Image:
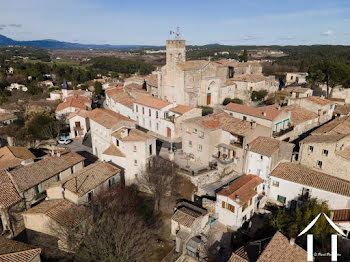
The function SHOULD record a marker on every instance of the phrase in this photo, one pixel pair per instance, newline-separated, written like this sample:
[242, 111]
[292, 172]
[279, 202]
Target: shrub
[259, 95]
[207, 110]
[228, 100]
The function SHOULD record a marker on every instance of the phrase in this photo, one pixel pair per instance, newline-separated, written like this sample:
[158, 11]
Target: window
[231, 208]
[276, 183]
[156, 114]
[135, 162]
[261, 157]
[195, 130]
[244, 118]
[244, 207]
[223, 204]
[311, 149]
[230, 72]
[134, 148]
[111, 181]
[150, 124]
[137, 109]
[150, 149]
[190, 143]
[200, 148]
[37, 189]
[72, 169]
[90, 195]
[281, 199]
[201, 134]
[325, 152]
[143, 110]
[319, 164]
[157, 126]
[117, 142]
[149, 112]
[58, 177]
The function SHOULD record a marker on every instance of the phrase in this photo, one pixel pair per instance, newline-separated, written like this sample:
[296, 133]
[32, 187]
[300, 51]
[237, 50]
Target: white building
[120, 101]
[16, 86]
[236, 203]
[264, 154]
[296, 77]
[72, 104]
[79, 123]
[293, 182]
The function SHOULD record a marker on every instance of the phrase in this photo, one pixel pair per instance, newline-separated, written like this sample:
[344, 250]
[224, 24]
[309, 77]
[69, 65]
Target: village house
[11, 156]
[339, 92]
[342, 218]
[79, 123]
[219, 138]
[264, 154]
[337, 126]
[152, 83]
[295, 78]
[322, 107]
[202, 82]
[120, 101]
[80, 187]
[237, 202]
[327, 153]
[277, 249]
[163, 118]
[188, 221]
[291, 182]
[11, 250]
[302, 121]
[297, 91]
[277, 120]
[342, 110]
[72, 104]
[16, 86]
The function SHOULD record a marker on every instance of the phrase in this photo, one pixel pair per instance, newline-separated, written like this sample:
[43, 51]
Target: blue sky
[236, 22]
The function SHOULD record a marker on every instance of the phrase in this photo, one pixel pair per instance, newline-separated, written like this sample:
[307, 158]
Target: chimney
[252, 124]
[292, 242]
[27, 162]
[263, 113]
[58, 153]
[52, 152]
[237, 197]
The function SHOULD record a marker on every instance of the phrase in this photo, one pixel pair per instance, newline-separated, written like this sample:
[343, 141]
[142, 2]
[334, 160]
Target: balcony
[282, 132]
[223, 159]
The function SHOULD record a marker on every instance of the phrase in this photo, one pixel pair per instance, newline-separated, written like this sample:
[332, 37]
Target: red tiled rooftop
[265, 112]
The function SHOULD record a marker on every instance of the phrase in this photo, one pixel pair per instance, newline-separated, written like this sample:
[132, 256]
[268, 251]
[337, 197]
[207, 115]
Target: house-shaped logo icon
[310, 238]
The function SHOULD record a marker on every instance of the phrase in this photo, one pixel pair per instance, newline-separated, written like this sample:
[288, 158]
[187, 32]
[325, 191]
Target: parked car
[64, 141]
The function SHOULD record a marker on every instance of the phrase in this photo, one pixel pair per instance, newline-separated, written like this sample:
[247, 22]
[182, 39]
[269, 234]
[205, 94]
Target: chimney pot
[292, 242]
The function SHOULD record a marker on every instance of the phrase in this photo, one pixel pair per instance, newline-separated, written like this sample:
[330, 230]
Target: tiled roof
[339, 125]
[133, 135]
[264, 112]
[342, 109]
[78, 102]
[279, 249]
[341, 215]
[345, 153]
[28, 176]
[322, 139]
[228, 62]
[224, 121]
[185, 216]
[319, 100]
[266, 145]
[81, 112]
[88, 178]
[7, 116]
[242, 189]
[296, 89]
[62, 211]
[112, 150]
[236, 258]
[113, 90]
[181, 109]
[303, 175]
[299, 114]
[11, 156]
[153, 102]
[108, 118]
[152, 80]
[193, 64]
[9, 195]
[252, 78]
[122, 97]
[15, 251]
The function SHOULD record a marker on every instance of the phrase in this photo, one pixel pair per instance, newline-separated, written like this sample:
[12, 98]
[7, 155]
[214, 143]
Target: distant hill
[54, 44]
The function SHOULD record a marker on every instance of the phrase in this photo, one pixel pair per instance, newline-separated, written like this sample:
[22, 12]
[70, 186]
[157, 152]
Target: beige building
[11, 156]
[204, 82]
[340, 125]
[296, 91]
[219, 138]
[79, 123]
[327, 153]
[15, 251]
[296, 78]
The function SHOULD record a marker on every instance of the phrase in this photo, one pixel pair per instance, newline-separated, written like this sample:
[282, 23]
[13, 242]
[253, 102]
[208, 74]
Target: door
[208, 99]
[168, 132]
[77, 124]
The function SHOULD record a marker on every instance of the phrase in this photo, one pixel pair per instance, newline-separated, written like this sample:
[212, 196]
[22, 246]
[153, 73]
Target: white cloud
[328, 33]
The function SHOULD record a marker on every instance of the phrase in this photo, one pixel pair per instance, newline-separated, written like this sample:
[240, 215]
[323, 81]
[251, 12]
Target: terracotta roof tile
[113, 90]
[264, 112]
[279, 249]
[108, 118]
[153, 102]
[345, 153]
[322, 138]
[266, 145]
[112, 150]
[236, 258]
[185, 216]
[123, 98]
[251, 78]
[319, 100]
[78, 102]
[133, 135]
[11, 156]
[303, 175]
[28, 176]
[181, 109]
[15, 251]
[339, 125]
[88, 178]
[243, 187]
[341, 215]
[9, 195]
[299, 114]
[342, 109]
[81, 112]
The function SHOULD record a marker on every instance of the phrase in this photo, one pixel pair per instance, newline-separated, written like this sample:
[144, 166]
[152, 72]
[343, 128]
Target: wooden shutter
[223, 204]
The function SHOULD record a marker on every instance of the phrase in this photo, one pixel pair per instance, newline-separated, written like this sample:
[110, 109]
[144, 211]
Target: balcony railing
[225, 161]
[282, 132]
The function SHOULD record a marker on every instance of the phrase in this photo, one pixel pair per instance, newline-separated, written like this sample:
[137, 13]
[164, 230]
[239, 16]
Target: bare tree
[159, 178]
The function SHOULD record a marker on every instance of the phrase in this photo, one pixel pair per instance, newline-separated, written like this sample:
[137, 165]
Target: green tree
[98, 88]
[258, 95]
[330, 74]
[228, 100]
[244, 56]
